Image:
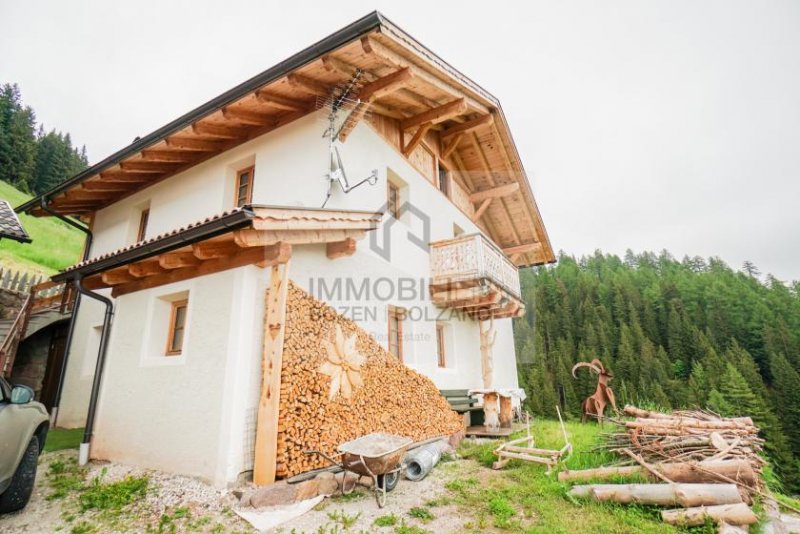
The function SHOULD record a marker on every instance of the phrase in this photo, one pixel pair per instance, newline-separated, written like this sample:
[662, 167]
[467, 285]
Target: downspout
[83, 455]
[73, 318]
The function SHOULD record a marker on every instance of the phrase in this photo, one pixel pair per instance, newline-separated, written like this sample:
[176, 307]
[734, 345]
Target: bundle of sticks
[711, 466]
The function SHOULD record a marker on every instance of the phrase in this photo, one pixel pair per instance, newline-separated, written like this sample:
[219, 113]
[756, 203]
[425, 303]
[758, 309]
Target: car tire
[19, 492]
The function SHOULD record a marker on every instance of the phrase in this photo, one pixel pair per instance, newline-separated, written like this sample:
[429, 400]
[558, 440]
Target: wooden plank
[192, 143]
[246, 117]
[124, 177]
[282, 102]
[385, 85]
[143, 165]
[168, 155]
[82, 194]
[178, 260]
[417, 138]
[481, 210]
[218, 130]
[436, 115]
[339, 249]
[214, 249]
[309, 85]
[266, 447]
[117, 276]
[524, 248]
[111, 187]
[145, 268]
[495, 192]
[468, 126]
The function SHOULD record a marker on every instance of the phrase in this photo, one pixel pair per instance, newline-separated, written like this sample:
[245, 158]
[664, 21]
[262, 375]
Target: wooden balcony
[471, 274]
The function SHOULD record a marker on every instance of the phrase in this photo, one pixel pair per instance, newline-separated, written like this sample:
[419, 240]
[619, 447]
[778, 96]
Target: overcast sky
[642, 124]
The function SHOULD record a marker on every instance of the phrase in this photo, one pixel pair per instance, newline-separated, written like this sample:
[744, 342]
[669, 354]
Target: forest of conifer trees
[674, 334]
[32, 159]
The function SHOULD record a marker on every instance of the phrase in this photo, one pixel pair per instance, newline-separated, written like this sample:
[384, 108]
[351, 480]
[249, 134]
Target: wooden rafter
[145, 268]
[214, 249]
[282, 102]
[246, 117]
[168, 156]
[117, 276]
[177, 260]
[525, 249]
[467, 127]
[122, 176]
[495, 192]
[83, 194]
[193, 143]
[371, 92]
[103, 185]
[309, 85]
[451, 145]
[416, 138]
[218, 130]
[481, 209]
[340, 249]
[142, 165]
[436, 115]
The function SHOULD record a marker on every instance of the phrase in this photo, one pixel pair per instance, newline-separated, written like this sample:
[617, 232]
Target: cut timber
[451, 146]
[246, 117]
[218, 130]
[177, 260]
[385, 85]
[282, 102]
[145, 268]
[168, 156]
[147, 166]
[340, 249]
[717, 471]
[266, 447]
[468, 126]
[734, 514]
[685, 495]
[214, 249]
[117, 276]
[436, 115]
[416, 139]
[309, 85]
[99, 185]
[495, 192]
[193, 143]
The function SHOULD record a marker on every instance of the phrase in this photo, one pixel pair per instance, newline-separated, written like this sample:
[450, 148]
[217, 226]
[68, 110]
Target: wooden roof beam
[371, 46]
[117, 276]
[214, 249]
[524, 249]
[123, 177]
[370, 92]
[482, 209]
[178, 260]
[191, 143]
[417, 138]
[246, 117]
[436, 115]
[466, 127]
[495, 192]
[340, 249]
[218, 130]
[101, 185]
[146, 166]
[145, 268]
[167, 156]
[309, 85]
[451, 146]
[282, 102]
[83, 194]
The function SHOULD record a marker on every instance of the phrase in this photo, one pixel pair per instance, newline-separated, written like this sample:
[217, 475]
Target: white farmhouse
[365, 170]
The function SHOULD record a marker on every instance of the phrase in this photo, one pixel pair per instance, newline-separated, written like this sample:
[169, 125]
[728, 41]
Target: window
[396, 316]
[143, 218]
[393, 199]
[444, 180]
[177, 327]
[440, 345]
[244, 186]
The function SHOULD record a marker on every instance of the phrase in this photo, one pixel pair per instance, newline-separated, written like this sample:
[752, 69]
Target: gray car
[23, 430]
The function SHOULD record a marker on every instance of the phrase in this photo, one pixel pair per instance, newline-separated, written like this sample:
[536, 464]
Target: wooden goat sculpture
[595, 405]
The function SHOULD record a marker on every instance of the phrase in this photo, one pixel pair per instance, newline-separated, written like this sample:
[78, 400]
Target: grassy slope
[539, 503]
[55, 244]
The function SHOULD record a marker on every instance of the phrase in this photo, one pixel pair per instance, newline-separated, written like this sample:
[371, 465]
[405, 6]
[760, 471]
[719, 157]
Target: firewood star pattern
[343, 364]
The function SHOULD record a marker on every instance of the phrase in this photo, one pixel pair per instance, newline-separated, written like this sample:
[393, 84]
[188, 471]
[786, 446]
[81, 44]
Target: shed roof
[10, 225]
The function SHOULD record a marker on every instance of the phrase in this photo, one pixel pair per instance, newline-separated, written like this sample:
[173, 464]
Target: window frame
[173, 315]
[144, 219]
[251, 172]
[441, 346]
[396, 316]
[443, 178]
[393, 207]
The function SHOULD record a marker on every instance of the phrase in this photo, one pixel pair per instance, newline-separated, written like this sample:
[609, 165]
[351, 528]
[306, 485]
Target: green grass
[55, 244]
[522, 498]
[59, 439]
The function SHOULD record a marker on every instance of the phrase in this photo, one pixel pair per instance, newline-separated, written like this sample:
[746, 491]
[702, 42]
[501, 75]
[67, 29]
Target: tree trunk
[661, 494]
[734, 514]
[739, 470]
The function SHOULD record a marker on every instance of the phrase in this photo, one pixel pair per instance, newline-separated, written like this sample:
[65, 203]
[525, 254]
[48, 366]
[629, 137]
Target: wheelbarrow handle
[330, 459]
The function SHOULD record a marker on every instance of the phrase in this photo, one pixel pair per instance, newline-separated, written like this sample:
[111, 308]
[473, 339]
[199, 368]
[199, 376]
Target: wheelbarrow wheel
[389, 481]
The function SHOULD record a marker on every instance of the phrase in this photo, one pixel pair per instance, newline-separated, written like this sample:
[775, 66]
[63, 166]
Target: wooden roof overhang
[251, 235]
[401, 80]
[480, 298]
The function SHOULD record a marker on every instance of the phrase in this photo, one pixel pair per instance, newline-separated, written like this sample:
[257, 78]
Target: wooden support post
[416, 139]
[506, 412]
[272, 358]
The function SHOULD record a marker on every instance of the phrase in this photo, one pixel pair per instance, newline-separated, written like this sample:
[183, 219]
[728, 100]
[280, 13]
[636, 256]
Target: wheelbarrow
[375, 455]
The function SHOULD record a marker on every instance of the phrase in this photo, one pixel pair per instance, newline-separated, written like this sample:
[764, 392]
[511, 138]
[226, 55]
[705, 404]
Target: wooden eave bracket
[495, 192]
[436, 115]
[340, 249]
[371, 92]
[417, 138]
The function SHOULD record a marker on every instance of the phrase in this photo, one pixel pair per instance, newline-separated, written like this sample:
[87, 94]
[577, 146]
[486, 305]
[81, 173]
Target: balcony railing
[472, 258]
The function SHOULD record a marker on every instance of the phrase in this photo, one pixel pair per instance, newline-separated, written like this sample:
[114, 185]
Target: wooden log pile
[393, 398]
[710, 466]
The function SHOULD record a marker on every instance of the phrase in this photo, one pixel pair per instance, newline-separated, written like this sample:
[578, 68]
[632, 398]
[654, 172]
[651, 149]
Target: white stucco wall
[194, 414]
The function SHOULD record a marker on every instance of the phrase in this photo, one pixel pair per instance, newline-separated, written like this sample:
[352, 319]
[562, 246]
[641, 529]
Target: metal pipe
[83, 455]
[87, 245]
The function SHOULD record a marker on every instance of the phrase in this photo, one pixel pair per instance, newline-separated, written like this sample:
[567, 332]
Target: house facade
[194, 227]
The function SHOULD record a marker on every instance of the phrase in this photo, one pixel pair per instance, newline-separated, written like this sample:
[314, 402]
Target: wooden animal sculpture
[595, 405]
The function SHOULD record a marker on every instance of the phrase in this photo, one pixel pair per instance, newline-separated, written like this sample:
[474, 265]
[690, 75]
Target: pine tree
[786, 387]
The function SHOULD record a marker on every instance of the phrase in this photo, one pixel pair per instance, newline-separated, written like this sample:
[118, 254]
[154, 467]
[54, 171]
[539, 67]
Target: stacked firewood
[393, 397]
[710, 466]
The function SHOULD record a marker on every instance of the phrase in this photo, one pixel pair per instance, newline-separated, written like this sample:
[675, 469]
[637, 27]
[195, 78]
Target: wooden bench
[463, 404]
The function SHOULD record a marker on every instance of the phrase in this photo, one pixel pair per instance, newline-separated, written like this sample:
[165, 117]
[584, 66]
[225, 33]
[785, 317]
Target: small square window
[177, 327]
[393, 199]
[244, 186]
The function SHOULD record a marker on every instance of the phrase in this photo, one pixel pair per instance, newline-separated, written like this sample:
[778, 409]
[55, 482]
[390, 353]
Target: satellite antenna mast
[336, 173]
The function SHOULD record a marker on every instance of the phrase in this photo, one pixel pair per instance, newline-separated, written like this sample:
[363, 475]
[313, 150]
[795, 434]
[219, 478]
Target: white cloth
[272, 516]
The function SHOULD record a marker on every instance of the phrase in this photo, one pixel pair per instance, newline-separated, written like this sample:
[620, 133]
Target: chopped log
[734, 514]
[661, 494]
[738, 470]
